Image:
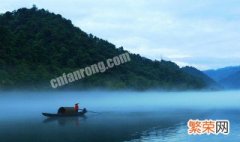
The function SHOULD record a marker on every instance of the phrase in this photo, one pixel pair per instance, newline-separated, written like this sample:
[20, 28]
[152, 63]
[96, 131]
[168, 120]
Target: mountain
[37, 46]
[232, 81]
[220, 74]
[228, 77]
[198, 74]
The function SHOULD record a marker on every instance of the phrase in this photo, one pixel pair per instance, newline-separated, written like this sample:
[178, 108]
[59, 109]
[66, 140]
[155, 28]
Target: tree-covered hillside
[198, 74]
[36, 46]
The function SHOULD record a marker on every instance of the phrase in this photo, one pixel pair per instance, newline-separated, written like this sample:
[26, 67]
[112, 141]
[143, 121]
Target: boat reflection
[62, 121]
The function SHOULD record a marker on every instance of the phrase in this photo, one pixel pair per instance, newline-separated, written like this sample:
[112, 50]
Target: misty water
[122, 116]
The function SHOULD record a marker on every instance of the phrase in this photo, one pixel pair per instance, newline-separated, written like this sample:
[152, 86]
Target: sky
[200, 33]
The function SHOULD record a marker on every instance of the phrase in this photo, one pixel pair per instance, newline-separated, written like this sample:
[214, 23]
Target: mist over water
[122, 116]
[119, 101]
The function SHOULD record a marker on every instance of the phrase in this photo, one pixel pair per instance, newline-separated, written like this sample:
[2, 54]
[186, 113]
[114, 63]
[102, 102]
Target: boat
[66, 112]
[63, 115]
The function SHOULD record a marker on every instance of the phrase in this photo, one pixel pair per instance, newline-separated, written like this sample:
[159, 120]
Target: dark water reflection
[65, 121]
[104, 127]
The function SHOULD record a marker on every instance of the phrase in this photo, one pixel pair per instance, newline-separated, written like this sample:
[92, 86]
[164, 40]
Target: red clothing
[76, 107]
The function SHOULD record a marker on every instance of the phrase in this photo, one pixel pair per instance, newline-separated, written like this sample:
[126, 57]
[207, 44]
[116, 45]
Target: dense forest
[37, 45]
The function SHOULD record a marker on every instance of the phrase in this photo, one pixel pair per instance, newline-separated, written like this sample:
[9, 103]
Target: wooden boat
[66, 112]
[63, 115]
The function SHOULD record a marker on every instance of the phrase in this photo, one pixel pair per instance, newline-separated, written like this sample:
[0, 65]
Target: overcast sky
[200, 33]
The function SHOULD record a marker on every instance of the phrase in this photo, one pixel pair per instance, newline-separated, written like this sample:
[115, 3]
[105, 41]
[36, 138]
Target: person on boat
[84, 110]
[76, 107]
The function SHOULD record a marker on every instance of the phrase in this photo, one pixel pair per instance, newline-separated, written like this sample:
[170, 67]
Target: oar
[90, 111]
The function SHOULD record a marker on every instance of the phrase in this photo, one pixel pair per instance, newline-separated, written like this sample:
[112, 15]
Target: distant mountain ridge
[228, 77]
[36, 46]
[222, 73]
[232, 81]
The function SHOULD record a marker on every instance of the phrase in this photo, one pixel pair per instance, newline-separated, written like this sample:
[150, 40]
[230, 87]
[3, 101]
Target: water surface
[122, 116]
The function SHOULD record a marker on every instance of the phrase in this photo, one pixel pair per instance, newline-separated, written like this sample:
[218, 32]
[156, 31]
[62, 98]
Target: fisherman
[84, 110]
[76, 107]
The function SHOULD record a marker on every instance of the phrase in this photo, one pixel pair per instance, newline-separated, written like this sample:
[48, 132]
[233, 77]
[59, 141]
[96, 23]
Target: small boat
[66, 112]
[63, 115]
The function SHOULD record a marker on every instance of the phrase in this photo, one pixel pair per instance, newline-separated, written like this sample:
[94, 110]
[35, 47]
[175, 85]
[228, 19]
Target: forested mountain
[198, 74]
[36, 46]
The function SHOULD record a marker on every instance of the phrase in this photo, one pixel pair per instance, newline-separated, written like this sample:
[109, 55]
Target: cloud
[201, 33]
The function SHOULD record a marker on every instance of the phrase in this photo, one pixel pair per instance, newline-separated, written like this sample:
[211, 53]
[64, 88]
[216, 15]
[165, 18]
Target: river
[124, 116]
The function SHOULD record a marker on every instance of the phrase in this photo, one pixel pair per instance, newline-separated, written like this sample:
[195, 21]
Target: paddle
[90, 111]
